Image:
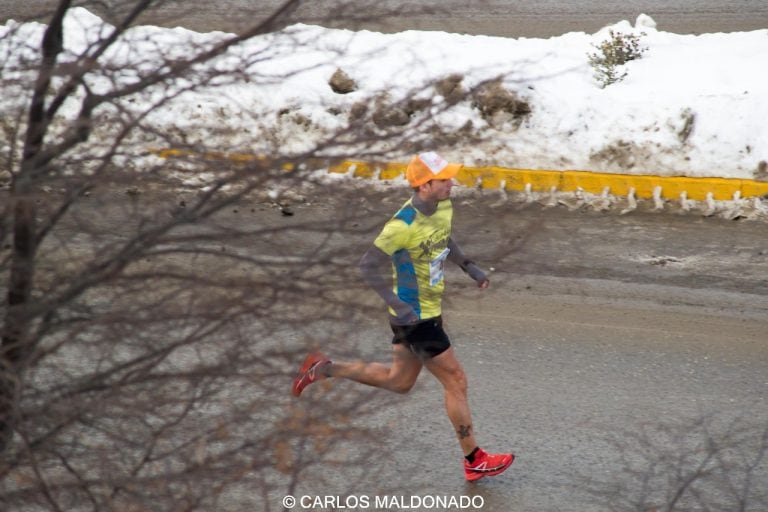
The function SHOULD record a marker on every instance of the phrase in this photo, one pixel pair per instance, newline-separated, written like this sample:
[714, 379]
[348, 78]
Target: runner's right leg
[447, 369]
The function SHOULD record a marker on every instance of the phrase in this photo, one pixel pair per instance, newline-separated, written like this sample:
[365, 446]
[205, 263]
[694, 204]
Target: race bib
[437, 268]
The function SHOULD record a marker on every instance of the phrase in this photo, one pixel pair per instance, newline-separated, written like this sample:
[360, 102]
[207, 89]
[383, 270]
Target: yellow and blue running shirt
[418, 246]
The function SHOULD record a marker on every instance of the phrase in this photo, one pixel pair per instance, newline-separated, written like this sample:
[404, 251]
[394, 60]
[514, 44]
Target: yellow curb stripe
[643, 185]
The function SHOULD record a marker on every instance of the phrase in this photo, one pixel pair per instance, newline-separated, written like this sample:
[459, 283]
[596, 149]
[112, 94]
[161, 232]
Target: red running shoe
[487, 464]
[308, 372]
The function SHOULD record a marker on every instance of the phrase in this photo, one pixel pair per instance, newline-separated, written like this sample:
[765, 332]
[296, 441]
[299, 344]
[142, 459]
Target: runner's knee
[456, 381]
[402, 386]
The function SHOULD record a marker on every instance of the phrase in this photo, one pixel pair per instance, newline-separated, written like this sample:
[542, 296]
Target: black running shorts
[426, 339]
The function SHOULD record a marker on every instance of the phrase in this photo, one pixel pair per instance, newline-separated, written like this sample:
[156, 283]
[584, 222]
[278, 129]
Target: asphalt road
[609, 353]
[617, 356]
[585, 393]
[542, 18]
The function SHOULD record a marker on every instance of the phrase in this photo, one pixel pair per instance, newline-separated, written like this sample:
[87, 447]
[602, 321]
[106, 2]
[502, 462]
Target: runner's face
[440, 190]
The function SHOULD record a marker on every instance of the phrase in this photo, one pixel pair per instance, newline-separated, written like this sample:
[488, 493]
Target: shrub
[616, 51]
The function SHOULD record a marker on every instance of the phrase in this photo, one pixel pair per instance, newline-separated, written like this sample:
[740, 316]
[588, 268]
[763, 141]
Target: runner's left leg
[399, 377]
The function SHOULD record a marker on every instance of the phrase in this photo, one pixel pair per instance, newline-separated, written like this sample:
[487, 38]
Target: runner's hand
[478, 275]
[405, 314]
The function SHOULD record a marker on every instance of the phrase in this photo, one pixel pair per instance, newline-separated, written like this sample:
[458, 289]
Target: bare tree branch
[149, 330]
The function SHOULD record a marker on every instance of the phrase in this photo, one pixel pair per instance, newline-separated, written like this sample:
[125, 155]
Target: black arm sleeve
[374, 265]
[458, 257]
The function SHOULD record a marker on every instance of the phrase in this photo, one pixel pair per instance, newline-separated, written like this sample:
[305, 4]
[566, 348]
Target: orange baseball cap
[430, 166]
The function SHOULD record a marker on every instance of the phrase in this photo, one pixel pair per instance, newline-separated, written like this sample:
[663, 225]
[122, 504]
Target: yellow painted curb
[643, 186]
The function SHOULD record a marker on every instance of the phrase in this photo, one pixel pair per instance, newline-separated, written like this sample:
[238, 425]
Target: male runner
[414, 245]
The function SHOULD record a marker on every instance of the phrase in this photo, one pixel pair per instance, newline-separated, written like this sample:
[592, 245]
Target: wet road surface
[607, 352]
[610, 351]
[570, 387]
